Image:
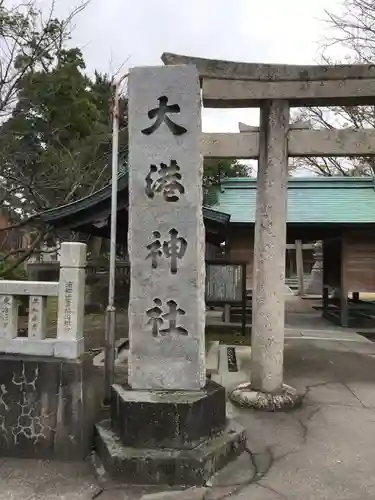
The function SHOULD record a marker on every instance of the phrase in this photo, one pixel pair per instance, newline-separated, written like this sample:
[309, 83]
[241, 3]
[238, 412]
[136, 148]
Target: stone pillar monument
[166, 231]
[168, 425]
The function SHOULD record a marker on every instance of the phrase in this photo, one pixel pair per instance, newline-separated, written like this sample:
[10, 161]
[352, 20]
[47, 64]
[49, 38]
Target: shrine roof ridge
[319, 200]
[304, 182]
[231, 70]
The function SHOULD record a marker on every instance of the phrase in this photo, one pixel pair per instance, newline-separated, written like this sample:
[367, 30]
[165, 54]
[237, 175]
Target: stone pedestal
[48, 407]
[168, 437]
[177, 419]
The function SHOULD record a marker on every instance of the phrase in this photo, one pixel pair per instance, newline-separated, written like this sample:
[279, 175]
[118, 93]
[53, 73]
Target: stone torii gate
[275, 89]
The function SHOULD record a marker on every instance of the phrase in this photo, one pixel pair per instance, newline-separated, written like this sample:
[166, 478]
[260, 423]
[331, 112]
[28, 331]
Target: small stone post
[269, 249]
[315, 285]
[37, 317]
[8, 317]
[71, 300]
[299, 262]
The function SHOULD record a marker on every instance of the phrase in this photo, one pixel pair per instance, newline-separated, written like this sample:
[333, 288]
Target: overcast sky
[111, 32]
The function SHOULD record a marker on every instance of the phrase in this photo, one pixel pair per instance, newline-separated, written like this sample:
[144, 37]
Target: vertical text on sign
[8, 316]
[37, 317]
[169, 181]
[157, 318]
[161, 115]
[174, 248]
[68, 293]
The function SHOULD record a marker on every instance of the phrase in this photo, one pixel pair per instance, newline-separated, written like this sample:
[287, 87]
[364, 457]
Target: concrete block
[212, 357]
[121, 345]
[43, 288]
[69, 349]
[73, 254]
[188, 494]
[25, 346]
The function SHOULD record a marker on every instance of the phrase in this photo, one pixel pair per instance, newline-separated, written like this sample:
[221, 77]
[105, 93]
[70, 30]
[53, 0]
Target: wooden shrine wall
[332, 262]
[359, 260]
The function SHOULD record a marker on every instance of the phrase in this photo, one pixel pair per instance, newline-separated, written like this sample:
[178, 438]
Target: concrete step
[165, 466]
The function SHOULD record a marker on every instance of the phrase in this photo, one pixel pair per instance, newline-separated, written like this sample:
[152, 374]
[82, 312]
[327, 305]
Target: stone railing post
[37, 317]
[71, 300]
[8, 317]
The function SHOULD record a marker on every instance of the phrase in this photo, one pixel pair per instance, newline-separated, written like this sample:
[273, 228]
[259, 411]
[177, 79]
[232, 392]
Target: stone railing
[70, 291]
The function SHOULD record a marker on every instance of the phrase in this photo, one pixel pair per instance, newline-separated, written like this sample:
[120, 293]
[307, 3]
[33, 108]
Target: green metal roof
[57, 215]
[324, 200]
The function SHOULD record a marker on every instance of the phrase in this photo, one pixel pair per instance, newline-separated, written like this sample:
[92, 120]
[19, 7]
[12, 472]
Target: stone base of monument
[168, 437]
[246, 397]
[48, 407]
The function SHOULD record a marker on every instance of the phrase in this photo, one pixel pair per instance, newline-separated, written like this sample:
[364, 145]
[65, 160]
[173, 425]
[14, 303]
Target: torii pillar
[269, 249]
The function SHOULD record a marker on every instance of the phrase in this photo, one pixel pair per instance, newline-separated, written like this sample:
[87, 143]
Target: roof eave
[60, 216]
[54, 215]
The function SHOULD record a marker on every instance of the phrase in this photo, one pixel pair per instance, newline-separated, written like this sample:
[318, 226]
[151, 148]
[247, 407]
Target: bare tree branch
[25, 254]
[352, 27]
